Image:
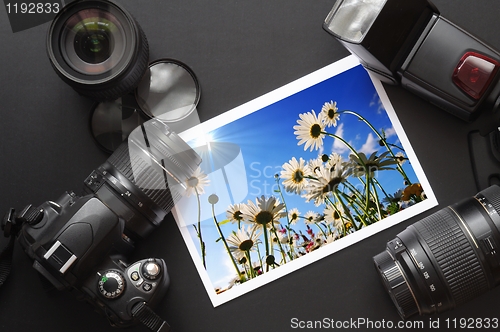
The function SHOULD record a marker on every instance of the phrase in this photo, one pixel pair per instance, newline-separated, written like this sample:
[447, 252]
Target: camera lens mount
[445, 259]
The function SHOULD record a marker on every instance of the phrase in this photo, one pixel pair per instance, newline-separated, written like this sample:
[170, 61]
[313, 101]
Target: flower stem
[382, 139]
[225, 244]
[288, 227]
[249, 259]
[198, 232]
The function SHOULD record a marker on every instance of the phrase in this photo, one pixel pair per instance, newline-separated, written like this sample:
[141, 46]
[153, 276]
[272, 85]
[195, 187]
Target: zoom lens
[144, 178]
[98, 48]
[445, 259]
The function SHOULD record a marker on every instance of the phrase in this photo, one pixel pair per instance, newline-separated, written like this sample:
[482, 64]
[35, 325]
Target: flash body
[411, 44]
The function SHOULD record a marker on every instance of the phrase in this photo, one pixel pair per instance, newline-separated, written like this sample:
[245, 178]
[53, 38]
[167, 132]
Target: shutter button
[151, 270]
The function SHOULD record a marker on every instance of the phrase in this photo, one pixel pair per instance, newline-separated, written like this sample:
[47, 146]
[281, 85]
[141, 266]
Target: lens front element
[98, 48]
[93, 42]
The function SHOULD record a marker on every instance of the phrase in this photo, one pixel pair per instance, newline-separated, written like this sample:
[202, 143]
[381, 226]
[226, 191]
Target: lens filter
[170, 91]
[112, 122]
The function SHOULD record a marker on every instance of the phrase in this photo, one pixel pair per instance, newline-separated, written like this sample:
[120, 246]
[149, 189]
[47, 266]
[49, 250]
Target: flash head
[379, 32]
[410, 43]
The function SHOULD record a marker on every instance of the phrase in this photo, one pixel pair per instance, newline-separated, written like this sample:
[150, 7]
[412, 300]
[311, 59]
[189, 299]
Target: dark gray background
[239, 50]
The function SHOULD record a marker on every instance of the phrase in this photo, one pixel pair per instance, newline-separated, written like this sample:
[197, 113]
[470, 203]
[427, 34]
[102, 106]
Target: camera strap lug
[30, 215]
[10, 228]
[149, 318]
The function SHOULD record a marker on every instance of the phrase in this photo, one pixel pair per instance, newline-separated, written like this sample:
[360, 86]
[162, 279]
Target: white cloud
[338, 146]
[378, 103]
[371, 145]
[225, 270]
[390, 132]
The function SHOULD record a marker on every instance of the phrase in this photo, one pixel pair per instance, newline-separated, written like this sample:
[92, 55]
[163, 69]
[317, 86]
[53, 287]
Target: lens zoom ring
[151, 183]
[454, 255]
[492, 194]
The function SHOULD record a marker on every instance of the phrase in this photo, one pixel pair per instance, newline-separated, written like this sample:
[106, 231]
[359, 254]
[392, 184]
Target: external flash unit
[409, 43]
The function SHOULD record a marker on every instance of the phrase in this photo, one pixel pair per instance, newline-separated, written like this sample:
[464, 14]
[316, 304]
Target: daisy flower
[334, 160]
[400, 158]
[294, 174]
[328, 180]
[243, 241]
[363, 165]
[330, 238]
[309, 130]
[196, 183]
[234, 214]
[264, 212]
[314, 165]
[310, 217]
[334, 215]
[282, 238]
[330, 114]
[293, 215]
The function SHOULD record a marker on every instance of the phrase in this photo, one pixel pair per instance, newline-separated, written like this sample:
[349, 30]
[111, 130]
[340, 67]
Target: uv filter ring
[169, 91]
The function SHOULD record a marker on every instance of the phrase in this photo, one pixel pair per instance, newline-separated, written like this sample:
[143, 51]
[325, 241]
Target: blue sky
[245, 154]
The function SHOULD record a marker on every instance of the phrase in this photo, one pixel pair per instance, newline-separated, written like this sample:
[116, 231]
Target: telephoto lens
[98, 48]
[445, 259]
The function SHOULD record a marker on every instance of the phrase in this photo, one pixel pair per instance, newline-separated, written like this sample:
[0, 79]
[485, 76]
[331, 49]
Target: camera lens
[145, 176]
[445, 259]
[94, 44]
[98, 48]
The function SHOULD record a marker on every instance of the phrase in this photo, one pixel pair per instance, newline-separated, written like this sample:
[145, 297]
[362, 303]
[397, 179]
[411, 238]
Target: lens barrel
[144, 178]
[98, 48]
[445, 259]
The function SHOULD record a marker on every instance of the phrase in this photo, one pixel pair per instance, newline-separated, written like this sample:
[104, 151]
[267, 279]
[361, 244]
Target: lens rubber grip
[446, 237]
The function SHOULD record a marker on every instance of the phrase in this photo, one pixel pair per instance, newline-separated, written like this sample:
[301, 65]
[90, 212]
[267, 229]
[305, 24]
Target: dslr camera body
[82, 242]
[79, 243]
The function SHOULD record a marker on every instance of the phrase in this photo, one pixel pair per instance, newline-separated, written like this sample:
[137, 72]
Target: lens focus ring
[454, 255]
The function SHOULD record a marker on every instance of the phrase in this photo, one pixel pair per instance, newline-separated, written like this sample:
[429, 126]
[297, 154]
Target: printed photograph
[294, 176]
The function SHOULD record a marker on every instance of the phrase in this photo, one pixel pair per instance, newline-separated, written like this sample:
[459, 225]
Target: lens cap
[169, 91]
[112, 122]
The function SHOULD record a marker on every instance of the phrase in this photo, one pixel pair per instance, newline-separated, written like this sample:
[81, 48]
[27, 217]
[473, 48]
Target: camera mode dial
[151, 269]
[111, 284]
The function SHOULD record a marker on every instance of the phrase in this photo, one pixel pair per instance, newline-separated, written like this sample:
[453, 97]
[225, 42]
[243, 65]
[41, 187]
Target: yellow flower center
[331, 113]
[332, 185]
[298, 176]
[315, 130]
[246, 245]
[263, 217]
[193, 182]
[237, 215]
